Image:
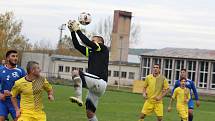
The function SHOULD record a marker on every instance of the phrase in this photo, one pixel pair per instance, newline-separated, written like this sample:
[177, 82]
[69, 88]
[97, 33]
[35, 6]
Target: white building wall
[122, 81]
[50, 68]
[64, 74]
[43, 60]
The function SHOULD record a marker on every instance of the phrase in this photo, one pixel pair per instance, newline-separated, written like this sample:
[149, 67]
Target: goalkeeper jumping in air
[96, 80]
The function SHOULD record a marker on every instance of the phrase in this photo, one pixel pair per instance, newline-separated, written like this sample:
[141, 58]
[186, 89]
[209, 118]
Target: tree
[105, 26]
[64, 45]
[10, 34]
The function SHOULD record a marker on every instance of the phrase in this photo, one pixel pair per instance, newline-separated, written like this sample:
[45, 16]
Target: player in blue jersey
[8, 75]
[2, 64]
[190, 85]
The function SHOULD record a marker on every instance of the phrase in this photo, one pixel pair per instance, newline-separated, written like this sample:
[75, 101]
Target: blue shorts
[6, 107]
[190, 104]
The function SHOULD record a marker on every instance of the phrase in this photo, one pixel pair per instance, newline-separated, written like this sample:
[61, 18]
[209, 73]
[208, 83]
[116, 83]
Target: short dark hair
[184, 69]
[100, 38]
[10, 52]
[156, 64]
[30, 65]
[183, 79]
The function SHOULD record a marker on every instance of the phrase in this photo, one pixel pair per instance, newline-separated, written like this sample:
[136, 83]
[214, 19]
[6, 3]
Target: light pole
[120, 60]
[61, 28]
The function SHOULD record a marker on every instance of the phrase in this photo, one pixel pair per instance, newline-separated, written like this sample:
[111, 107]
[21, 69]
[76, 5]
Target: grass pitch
[114, 106]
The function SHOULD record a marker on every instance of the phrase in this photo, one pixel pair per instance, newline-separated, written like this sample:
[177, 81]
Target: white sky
[165, 23]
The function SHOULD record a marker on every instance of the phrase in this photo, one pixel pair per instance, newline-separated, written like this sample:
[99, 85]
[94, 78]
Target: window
[191, 69]
[131, 75]
[67, 69]
[203, 74]
[73, 68]
[60, 68]
[109, 72]
[156, 61]
[86, 69]
[168, 69]
[179, 64]
[213, 76]
[81, 69]
[124, 74]
[116, 74]
[145, 67]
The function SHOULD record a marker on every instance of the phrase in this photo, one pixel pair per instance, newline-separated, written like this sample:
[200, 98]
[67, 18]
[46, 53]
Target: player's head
[3, 62]
[33, 68]
[183, 73]
[156, 69]
[182, 82]
[98, 39]
[12, 57]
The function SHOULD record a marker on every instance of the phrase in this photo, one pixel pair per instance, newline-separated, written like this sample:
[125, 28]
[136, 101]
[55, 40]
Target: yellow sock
[141, 119]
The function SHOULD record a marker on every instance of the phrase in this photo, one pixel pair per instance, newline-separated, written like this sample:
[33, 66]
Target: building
[200, 64]
[61, 66]
[120, 36]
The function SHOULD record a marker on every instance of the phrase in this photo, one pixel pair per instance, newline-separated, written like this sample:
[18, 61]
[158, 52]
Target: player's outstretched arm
[86, 41]
[170, 105]
[76, 44]
[195, 94]
[48, 88]
[144, 93]
[15, 105]
[14, 92]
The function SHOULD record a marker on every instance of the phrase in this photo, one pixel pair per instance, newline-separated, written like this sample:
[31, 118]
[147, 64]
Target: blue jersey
[1, 66]
[190, 85]
[9, 76]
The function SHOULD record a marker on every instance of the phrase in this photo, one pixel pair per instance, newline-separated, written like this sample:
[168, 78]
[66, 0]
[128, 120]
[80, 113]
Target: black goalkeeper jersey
[98, 55]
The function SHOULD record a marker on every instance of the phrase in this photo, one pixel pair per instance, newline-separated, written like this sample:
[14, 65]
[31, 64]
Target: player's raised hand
[51, 97]
[158, 98]
[2, 97]
[197, 103]
[70, 24]
[7, 93]
[18, 113]
[73, 25]
[145, 95]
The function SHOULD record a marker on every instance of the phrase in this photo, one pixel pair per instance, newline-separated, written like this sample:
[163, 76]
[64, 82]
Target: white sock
[94, 118]
[78, 87]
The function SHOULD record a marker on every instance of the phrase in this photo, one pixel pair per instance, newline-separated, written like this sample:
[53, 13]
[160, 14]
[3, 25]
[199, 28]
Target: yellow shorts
[32, 116]
[183, 113]
[149, 107]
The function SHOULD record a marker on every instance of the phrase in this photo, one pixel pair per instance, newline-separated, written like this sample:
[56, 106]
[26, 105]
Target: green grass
[114, 106]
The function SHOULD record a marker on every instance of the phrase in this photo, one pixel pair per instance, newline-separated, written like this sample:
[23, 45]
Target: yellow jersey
[154, 87]
[181, 95]
[31, 93]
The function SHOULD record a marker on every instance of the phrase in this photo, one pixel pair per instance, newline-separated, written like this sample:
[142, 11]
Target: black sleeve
[76, 44]
[87, 42]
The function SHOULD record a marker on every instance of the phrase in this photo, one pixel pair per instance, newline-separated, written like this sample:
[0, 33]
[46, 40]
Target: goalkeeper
[96, 80]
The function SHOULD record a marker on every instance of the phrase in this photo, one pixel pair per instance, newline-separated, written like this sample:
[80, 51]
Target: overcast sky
[165, 23]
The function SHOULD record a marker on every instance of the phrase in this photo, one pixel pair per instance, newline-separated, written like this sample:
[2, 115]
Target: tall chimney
[120, 36]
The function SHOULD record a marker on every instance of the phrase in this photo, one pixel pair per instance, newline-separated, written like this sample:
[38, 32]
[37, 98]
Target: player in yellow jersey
[182, 96]
[155, 88]
[30, 89]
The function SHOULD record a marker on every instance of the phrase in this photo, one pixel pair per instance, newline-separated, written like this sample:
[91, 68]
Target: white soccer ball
[84, 18]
